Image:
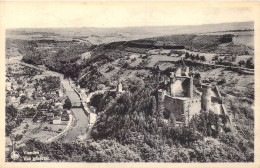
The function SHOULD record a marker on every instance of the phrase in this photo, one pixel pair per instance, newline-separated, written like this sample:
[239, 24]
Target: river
[81, 119]
[81, 125]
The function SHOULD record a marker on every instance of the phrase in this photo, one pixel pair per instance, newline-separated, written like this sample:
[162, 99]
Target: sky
[64, 14]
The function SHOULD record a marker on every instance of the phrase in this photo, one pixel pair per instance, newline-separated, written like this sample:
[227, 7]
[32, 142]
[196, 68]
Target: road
[69, 125]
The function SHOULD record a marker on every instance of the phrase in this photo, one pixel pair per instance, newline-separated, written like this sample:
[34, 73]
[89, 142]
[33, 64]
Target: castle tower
[184, 69]
[190, 88]
[178, 72]
[206, 98]
[119, 88]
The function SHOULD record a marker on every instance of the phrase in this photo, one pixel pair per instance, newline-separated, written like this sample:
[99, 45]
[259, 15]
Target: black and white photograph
[117, 82]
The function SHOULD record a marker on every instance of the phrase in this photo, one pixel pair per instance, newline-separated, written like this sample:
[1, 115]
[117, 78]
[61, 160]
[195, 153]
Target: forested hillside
[132, 128]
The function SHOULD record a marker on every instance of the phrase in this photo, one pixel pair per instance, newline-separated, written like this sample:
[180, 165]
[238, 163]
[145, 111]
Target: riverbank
[64, 132]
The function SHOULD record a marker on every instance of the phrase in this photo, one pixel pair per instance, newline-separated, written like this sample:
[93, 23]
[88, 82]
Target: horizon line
[128, 26]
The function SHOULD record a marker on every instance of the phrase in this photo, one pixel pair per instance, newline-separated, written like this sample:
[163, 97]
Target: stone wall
[176, 106]
[195, 107]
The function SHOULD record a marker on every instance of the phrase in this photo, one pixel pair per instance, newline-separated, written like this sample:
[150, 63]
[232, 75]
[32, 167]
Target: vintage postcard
[135, 84]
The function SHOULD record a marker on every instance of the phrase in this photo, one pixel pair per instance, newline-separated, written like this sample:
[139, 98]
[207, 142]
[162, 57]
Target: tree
[226, 38]
[11, 110]
[192, 57]
[202, 126]
[222, 81]
[250, 63]
[241, 63]
[126, 65]
[11, 119]
[187, 55]
[19, 81]
[215, 58]
[153, 105]
[35, 118]
[202, 58]
[197, 57]
[26, 126]
[172, 120]
[23, 99]
[67, 104]
[197, 75]
[234, 58]
[18, 137]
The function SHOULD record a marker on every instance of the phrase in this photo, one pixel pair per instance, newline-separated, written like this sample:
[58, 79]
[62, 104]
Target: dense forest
[60, 56]
[12, 119]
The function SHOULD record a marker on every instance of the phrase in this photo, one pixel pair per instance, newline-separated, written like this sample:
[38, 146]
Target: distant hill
[106, 35]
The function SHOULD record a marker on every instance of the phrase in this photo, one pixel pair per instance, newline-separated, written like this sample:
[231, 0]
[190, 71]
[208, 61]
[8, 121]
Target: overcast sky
[41, 15]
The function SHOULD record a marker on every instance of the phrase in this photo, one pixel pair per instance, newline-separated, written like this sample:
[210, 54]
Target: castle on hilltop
[184, 96]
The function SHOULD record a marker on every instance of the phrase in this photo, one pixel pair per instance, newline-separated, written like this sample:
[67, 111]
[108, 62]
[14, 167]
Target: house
[49, 116]
[43, 108]
[65, 116]
[53, 92]
[21, 93]
[56, 120]
[29, 113]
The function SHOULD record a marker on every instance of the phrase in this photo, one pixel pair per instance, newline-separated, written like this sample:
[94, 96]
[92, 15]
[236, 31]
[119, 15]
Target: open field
[39, 131]
[156, 58]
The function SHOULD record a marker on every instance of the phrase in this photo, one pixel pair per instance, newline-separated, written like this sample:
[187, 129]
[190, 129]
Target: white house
[56, 120]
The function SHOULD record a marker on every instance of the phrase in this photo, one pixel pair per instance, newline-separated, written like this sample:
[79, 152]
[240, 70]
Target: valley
[119, 88]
